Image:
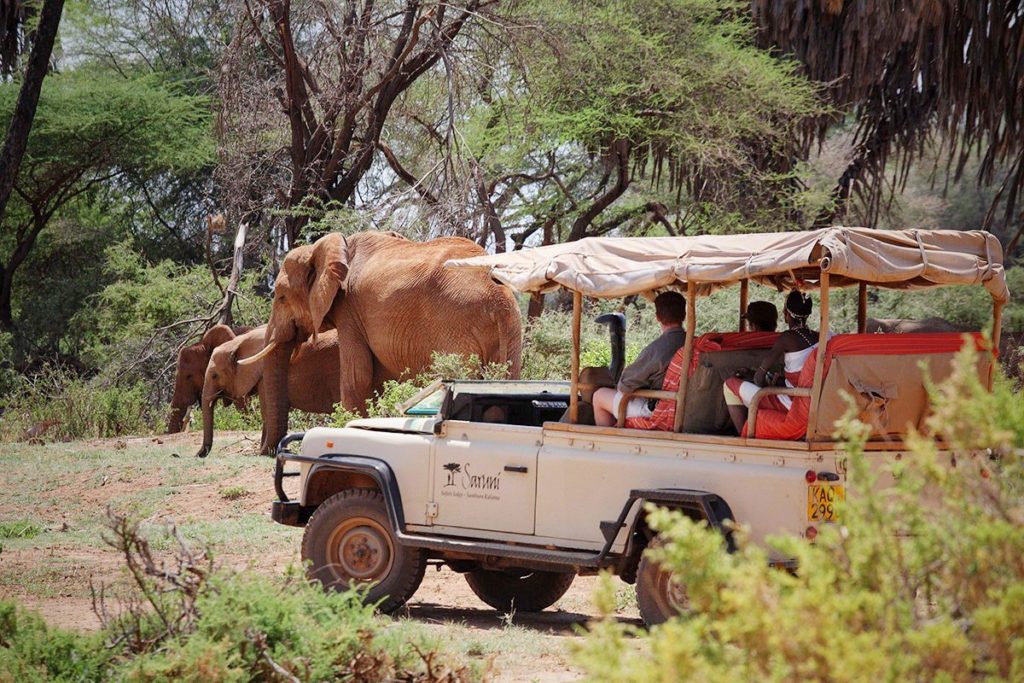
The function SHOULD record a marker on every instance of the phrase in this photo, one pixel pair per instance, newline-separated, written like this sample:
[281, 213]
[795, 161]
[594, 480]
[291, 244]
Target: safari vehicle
[483, 477]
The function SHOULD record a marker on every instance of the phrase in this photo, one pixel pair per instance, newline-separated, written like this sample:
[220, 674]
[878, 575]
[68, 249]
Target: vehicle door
[484, 476]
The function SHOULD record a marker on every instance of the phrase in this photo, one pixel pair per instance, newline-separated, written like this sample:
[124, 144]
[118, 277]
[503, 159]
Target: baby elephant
[190, 370]
[312, 380]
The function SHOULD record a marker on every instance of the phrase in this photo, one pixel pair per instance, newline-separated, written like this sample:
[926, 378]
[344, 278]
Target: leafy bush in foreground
[185, 620]
[924, 579]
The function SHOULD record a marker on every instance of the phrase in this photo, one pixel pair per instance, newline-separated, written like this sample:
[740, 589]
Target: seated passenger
[792, 347]
[762, 316]
[648, 370]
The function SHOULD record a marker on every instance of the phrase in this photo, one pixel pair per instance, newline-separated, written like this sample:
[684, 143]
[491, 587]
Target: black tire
[523, 591]
[658, 596]
[348, 540]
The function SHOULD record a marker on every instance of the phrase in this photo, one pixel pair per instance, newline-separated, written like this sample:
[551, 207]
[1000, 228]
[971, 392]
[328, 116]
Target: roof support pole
[744, 294]
[997, 328]
[862, 308]
[819, 363]
[577, 318]
[684, 372]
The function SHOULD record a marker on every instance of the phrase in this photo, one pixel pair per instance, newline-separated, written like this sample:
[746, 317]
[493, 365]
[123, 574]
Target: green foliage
[234, 492]
[19, 528]
[143, 297]
[1013, 315]
[100, 119]
[232, 419]
[922, 580]
[31, 651]
[547, 346]
[680, 80]
[243, 623]
[9, 378]
[56, 404]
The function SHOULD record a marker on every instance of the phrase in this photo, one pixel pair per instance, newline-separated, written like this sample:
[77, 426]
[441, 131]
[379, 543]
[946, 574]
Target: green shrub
[10, 380]
[184, 619]
[921, 581]
[56, 404]
[19, 528]
[234, 492]
[32, 651]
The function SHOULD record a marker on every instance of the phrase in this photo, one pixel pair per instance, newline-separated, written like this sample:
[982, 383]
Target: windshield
[426, 401]
[429, 400]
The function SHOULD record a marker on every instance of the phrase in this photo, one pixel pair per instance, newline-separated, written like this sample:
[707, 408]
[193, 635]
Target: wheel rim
[671, 594]
[360, 549]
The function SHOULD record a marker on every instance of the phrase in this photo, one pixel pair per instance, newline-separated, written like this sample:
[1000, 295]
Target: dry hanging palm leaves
[908, 69]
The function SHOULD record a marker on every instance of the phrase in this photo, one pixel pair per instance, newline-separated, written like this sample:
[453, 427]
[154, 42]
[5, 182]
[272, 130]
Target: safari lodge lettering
[460, 475]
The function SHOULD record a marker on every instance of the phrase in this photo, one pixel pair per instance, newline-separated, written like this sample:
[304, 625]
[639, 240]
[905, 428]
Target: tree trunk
[16, 139]
[620, 151]
[6, 315]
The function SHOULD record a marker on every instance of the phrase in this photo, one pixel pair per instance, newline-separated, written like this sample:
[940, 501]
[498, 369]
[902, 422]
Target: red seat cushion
[730, 341]
[792, 424]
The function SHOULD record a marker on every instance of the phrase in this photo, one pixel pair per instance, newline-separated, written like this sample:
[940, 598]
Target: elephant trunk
[210, 394]
[274, 402]
[176, 420]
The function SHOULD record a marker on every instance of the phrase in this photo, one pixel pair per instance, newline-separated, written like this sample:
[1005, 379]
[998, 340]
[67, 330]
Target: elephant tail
[510, 341]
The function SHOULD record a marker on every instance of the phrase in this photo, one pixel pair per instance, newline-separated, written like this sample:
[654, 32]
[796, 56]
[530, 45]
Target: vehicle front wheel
[659, 595]
[524, 590]
[348, 541]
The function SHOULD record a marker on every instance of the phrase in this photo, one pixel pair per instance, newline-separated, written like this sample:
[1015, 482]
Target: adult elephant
[312, 380]
[393, 303]
[190, 370]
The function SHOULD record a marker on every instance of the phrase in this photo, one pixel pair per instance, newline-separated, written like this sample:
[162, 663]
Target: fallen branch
[224, 312]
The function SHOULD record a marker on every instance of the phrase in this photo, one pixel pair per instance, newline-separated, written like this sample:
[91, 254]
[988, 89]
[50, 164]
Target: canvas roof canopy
[612, 267]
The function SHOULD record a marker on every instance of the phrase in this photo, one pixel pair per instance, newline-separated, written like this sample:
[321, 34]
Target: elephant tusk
[259, 356]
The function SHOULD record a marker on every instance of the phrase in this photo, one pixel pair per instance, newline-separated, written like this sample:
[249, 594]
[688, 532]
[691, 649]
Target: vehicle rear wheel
[348, 541]
[524, 591]
[659, 596]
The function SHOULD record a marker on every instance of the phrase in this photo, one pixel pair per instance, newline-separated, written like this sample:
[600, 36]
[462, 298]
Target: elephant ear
[327, 275]
[217, 335]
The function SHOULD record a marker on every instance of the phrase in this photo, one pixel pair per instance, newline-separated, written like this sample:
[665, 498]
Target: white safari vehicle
[483, 477]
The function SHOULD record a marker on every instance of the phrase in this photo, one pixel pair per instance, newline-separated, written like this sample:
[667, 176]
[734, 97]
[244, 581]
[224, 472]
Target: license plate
[821, 500]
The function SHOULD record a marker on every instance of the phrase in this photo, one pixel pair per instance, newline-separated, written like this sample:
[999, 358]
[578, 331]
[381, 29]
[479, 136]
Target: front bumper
[283, 510]
[288, 513]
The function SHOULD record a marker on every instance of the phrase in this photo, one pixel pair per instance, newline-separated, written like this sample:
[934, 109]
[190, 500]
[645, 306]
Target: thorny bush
[922, 580]
[184, 619]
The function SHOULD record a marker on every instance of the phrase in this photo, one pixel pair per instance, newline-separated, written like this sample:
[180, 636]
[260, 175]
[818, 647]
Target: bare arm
[779, 349]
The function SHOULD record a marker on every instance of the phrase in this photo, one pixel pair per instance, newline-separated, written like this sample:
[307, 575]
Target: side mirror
[616, 323]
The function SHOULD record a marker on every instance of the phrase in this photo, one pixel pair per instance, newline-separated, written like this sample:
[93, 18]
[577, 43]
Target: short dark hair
[763, 315]
[670, 307]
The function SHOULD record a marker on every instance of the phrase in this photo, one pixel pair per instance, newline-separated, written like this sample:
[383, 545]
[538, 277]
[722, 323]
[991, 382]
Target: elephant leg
[356, 372]
[274, 397]
[269, 436]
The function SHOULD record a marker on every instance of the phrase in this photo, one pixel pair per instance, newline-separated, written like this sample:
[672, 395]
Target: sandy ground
[53, 572]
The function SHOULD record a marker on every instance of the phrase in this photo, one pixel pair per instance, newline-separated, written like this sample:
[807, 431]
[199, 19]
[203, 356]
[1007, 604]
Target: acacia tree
[20, 123]
[307, 88]
[907, 70]
[607, 114]
[94, 128]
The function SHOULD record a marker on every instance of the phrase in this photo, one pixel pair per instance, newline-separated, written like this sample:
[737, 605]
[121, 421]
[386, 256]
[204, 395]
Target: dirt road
[52, 549]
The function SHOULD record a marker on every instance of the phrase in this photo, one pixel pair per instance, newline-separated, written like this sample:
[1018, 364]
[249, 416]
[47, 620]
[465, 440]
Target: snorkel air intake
[616, 323]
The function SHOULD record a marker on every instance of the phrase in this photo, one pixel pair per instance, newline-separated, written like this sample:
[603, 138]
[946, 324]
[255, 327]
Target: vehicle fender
[697, 505]
[361, 470]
